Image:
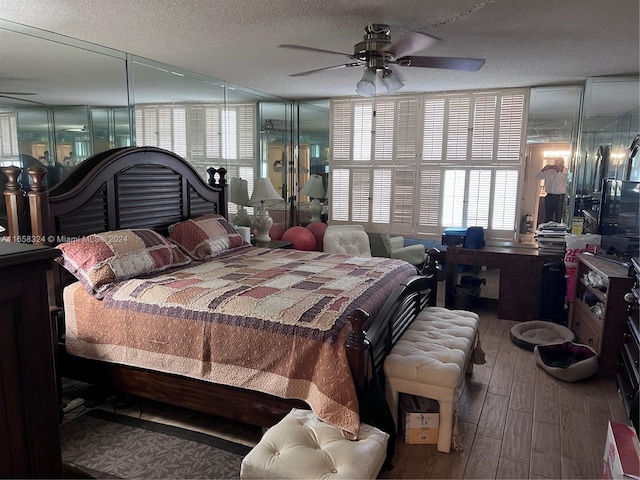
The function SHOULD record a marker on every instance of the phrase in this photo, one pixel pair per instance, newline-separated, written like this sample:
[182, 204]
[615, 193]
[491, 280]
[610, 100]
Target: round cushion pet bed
[567, 361]
[536, 332]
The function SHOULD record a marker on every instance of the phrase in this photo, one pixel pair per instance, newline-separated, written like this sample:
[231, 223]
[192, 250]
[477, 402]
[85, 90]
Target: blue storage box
[454, 236]
[474, 237]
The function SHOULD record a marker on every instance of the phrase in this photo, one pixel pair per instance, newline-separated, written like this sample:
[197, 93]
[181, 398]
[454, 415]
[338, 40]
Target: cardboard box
[421, 436]
[621, 453]
[420, 419]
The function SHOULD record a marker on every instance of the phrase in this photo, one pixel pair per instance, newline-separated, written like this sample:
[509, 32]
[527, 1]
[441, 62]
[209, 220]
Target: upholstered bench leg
[446, 426]
[392, 397]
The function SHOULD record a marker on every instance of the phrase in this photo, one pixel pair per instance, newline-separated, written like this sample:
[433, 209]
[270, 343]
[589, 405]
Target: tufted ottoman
[301, 446]
[429, 360]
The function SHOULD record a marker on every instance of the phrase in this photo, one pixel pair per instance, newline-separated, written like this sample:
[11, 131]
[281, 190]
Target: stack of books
[551, 238]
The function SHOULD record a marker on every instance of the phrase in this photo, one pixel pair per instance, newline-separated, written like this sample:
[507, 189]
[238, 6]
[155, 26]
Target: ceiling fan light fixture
[367, 86]
[391, 81]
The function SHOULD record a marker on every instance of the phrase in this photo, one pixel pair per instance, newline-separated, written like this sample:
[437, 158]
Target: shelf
[600, 295]
[580, 305]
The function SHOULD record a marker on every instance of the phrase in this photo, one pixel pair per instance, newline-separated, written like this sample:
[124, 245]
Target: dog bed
[567, 361]
[536, 332]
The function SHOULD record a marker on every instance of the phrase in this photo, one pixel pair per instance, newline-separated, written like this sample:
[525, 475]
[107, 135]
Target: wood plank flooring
[518, 421]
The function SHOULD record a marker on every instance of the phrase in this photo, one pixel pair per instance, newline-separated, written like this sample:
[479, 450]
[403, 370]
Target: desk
[520, 277]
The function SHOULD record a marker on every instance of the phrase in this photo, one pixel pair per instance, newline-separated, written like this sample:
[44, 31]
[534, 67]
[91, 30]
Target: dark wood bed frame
[147, 187]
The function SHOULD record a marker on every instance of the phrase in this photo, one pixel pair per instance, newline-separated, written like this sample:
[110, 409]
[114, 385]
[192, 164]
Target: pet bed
[537, 332]
[567, 361]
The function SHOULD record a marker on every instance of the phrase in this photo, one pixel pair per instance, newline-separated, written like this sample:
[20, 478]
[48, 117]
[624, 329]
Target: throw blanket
[273, 321]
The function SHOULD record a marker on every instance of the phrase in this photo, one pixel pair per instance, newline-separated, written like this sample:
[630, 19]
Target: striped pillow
[102, 259]
[205, 237]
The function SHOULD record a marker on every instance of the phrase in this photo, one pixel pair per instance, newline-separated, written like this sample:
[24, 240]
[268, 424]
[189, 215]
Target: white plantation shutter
[458, 128]
[429, 198]
[246, 131]
[453, 194]
[362, 135]
[139, 118]
[381, 201]
[433, 132]
[230, 134]
[484, 123]
[384, 127]
[511, 129]
[407, 130]
[404, 186]
[8, 136]
[360, 194]
[505, 199]
[179, 132]
[212, 132]
[340, 194]
[197, 133]
[478, 198]
[341, 130]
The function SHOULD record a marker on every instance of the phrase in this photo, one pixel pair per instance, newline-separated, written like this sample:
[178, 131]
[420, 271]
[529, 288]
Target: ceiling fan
[376, 52]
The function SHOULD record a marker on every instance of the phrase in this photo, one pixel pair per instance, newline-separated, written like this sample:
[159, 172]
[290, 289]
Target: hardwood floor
[517, 421]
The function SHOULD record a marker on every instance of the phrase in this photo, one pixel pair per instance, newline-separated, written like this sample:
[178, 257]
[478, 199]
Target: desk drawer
[584, 325]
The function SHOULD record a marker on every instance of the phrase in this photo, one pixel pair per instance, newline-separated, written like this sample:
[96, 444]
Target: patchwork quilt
[273, 321]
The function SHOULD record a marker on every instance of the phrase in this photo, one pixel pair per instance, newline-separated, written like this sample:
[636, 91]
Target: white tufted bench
[429, 360]
[301, 446]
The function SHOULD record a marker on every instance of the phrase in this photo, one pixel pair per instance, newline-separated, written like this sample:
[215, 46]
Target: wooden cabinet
[629, 360]
[29, 435]
[599, 310]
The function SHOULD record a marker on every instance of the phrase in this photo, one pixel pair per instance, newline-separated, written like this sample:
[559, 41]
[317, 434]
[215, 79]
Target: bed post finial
[14, 200]
[358, 350]
[221, 180]
[36, 202]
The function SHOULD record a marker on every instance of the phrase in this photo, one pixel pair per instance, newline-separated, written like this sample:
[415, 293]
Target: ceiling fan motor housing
[377, 36]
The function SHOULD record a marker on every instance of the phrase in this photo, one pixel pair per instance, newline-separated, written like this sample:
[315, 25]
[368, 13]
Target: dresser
[629, 360]
[29, 434]
[599, 313]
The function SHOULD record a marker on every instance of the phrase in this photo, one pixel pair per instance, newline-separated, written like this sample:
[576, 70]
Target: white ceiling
[524, 42]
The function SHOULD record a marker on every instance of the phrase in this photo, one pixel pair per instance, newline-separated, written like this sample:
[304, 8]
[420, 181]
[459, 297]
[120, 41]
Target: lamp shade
[314, 187]
[367, 86]
[391, 81]
[239, 191]
[263, 191]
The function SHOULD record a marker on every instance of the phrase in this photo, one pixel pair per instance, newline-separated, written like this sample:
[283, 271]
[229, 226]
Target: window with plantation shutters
[431, 161]
[204, 134]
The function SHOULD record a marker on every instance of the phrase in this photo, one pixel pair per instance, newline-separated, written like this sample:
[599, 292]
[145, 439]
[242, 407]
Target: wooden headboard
[130, 187]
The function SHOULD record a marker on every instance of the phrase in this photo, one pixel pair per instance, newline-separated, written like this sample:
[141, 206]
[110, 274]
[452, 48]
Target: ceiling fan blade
[20, 99]
[414, 42]
[310, 72]
[451, 63]
[17, 93]
[312, 49]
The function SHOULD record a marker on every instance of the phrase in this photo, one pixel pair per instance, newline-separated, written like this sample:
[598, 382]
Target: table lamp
[263, 194]
[239, 194]
[314, 188]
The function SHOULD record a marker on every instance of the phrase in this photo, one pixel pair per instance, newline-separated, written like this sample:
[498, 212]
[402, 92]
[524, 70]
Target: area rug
[117, 446]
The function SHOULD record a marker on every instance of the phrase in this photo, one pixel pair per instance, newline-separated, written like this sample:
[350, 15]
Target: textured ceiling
[525, 42]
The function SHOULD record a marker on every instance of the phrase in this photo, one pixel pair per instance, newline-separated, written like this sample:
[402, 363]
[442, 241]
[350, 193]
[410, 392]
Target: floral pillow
[102, 259]
[205, 237]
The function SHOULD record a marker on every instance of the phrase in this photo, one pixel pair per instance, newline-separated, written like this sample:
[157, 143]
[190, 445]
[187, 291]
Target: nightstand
[272, 244]
[28, 393]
